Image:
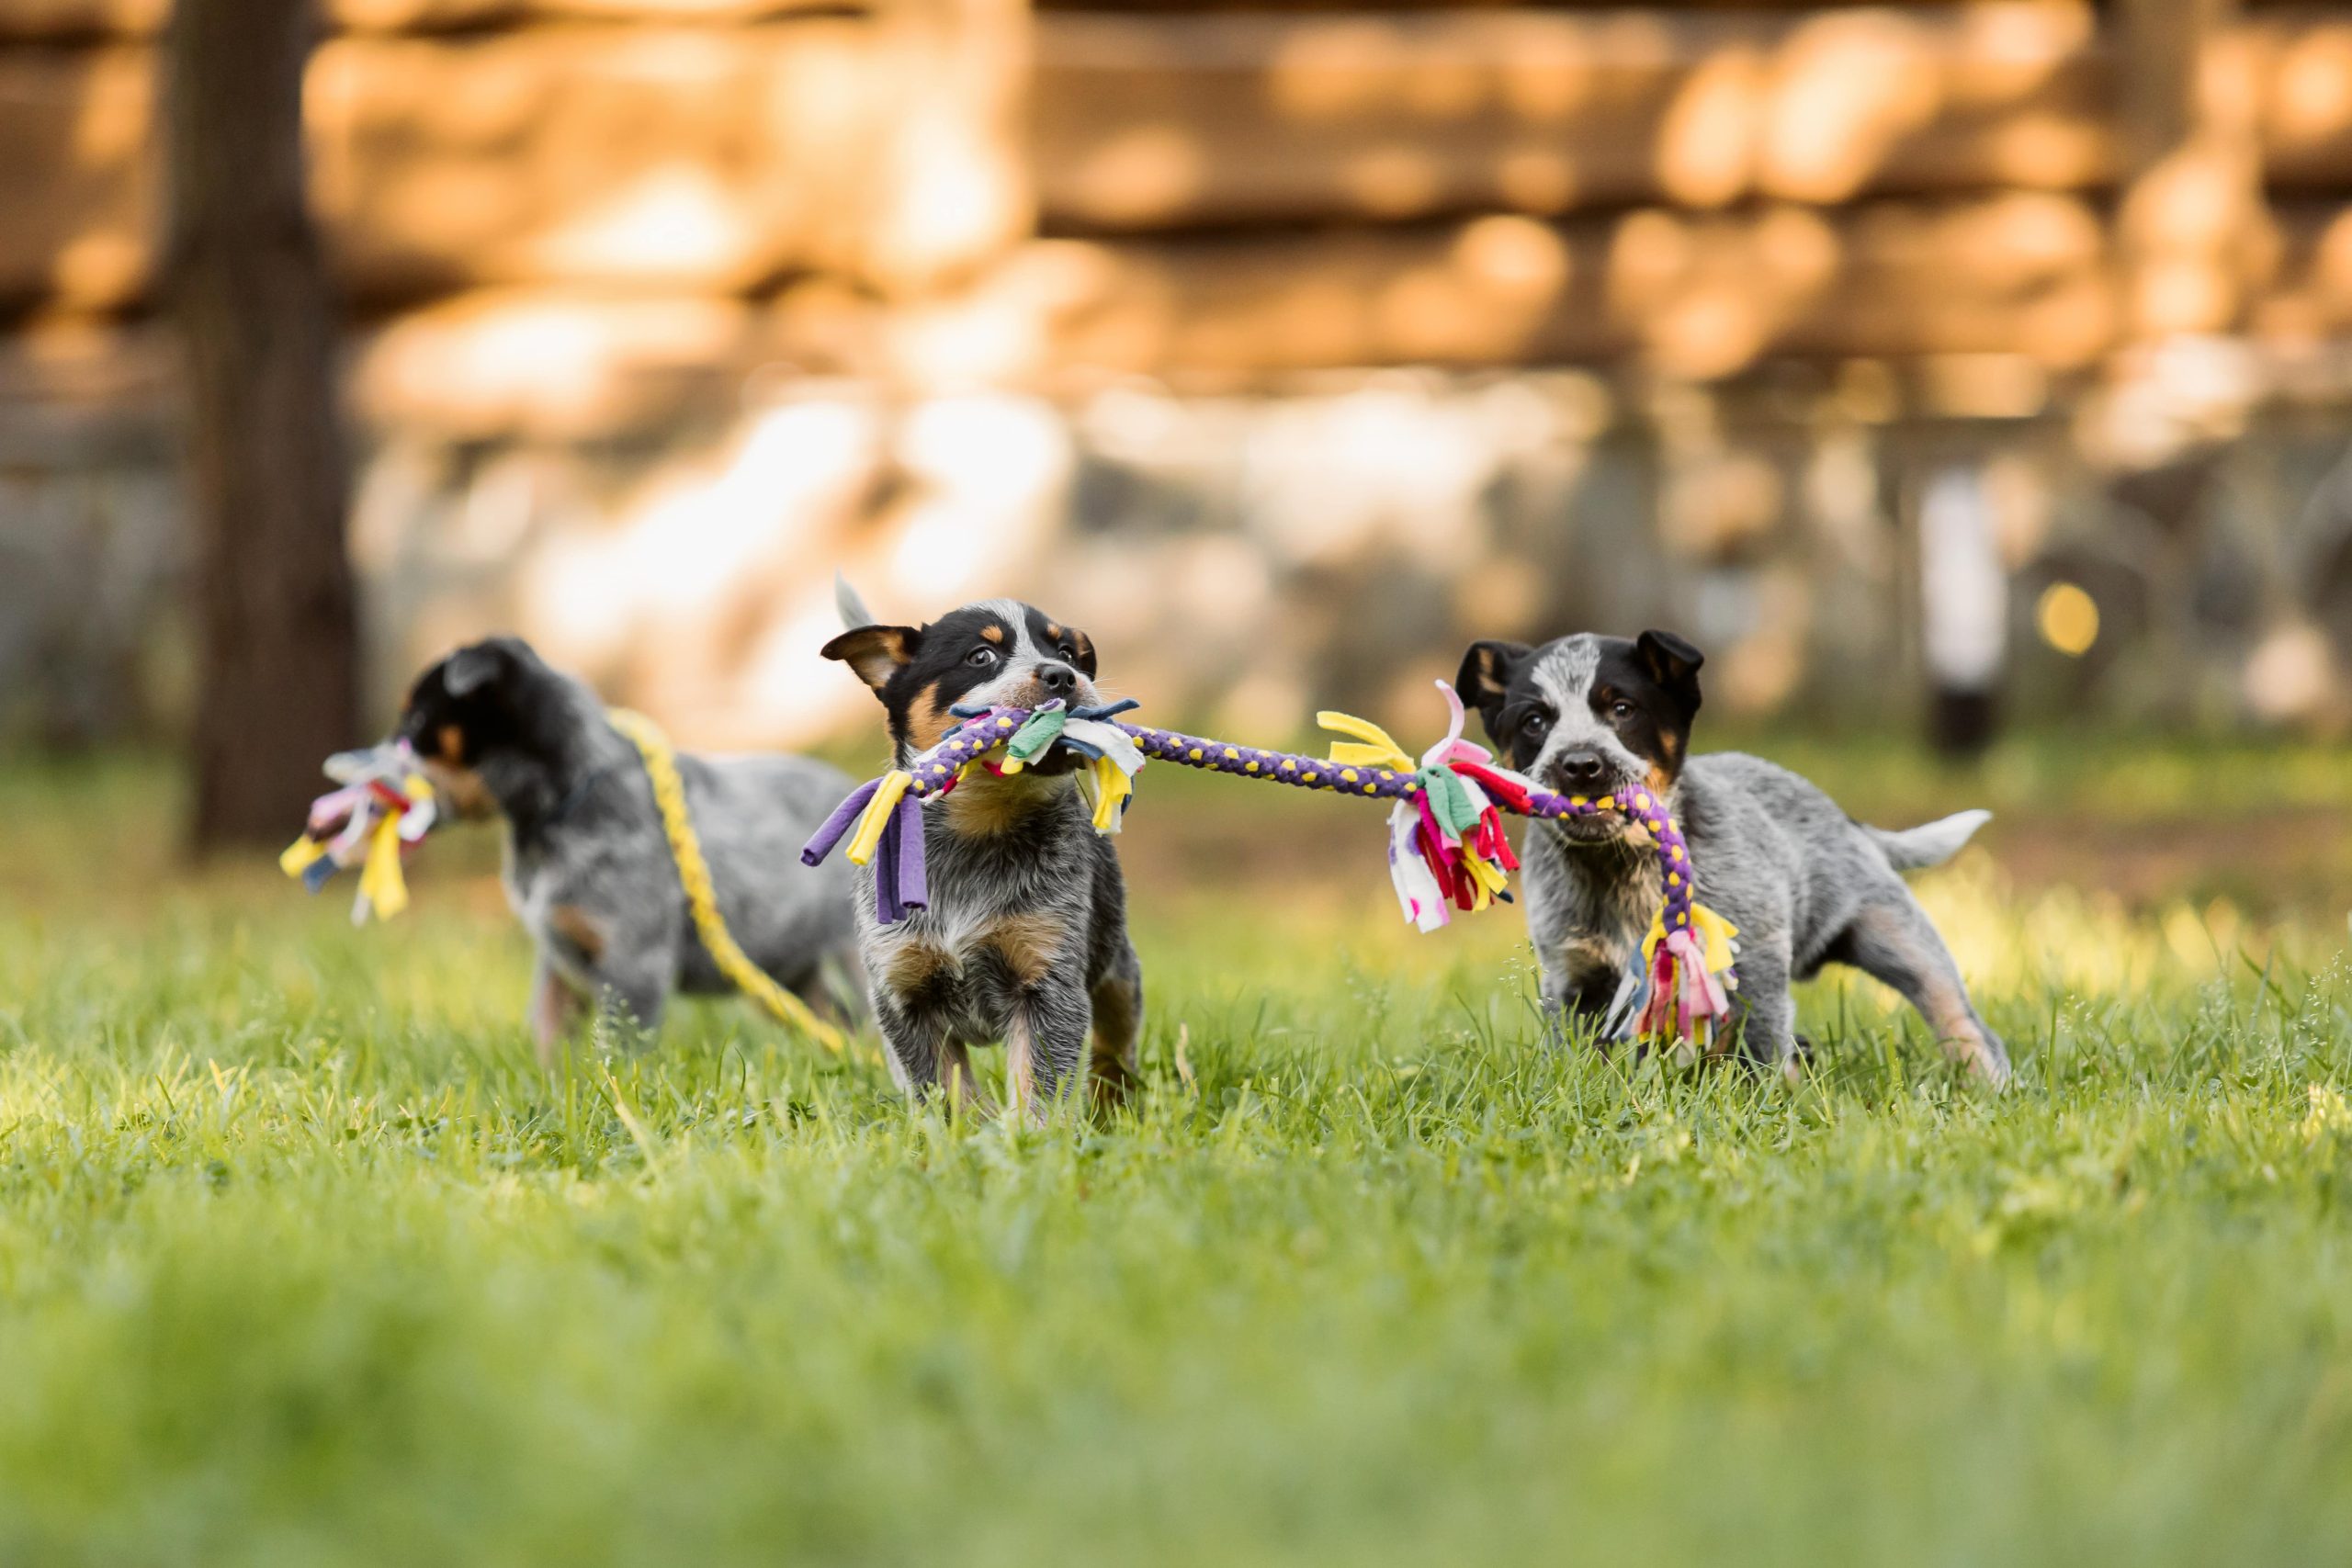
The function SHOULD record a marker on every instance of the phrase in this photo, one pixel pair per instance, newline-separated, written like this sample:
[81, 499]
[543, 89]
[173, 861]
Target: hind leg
[1892, 940]
[1117, 998]
[1045, 1049]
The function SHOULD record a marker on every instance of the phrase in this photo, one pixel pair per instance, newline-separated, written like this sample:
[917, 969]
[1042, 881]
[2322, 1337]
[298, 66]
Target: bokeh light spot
[2068, 618]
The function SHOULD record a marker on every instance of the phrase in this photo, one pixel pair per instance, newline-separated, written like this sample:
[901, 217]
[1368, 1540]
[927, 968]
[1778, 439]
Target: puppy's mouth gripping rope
[384, 806]
[1447, 849]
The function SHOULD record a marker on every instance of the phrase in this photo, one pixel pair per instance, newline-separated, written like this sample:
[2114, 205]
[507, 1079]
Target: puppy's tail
[1915, 849]
[853, 610]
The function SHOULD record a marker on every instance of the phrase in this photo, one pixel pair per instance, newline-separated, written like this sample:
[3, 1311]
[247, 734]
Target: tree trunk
[278, 686]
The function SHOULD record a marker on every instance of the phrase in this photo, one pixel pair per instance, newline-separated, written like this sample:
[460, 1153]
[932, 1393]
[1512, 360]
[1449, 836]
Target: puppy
[1025, 940]
[588, 865]
[1806, 885]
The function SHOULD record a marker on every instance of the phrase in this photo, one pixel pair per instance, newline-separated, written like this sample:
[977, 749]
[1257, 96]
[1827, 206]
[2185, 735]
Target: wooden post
[276, 681]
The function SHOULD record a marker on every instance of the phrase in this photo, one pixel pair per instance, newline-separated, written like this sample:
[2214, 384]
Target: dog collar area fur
[1446, 845]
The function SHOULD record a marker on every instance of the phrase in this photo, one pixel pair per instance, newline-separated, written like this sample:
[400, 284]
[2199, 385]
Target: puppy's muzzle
[1587, 774]
[1053, 681]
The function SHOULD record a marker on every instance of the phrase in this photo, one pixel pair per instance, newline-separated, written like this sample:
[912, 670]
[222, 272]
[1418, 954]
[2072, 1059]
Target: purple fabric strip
[888, 909]
[837, 826]
[914, 882]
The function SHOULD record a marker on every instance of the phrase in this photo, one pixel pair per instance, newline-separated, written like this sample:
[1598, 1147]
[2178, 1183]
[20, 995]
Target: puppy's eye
[980, 658]
[1069, 653]
[1621, 708]
[1535, 725]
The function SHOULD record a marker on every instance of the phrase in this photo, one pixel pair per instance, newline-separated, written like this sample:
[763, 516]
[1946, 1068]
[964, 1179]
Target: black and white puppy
[1026, 939]
[1805, 884]
[589, 868]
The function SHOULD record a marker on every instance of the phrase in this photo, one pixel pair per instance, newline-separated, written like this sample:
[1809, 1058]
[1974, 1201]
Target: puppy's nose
[1581, 770]
[1059, 679]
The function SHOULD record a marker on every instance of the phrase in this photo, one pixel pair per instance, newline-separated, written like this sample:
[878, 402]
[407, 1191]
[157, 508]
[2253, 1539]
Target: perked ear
[472, 667]
[877, 653]
[1486, 674]
[1083, 645]
[1672, 663]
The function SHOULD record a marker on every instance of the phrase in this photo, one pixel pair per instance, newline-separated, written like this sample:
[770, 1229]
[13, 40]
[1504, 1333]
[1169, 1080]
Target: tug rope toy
[384, 805]
[701, 894]
[1446, 845]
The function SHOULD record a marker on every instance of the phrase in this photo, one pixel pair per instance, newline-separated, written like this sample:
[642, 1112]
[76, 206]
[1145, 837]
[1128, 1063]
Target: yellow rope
[702, 899]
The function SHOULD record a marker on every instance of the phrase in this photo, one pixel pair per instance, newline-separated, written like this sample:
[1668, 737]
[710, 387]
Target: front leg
[1764, 1014]
[556, 1010]
[925, 1059]
[1044, 1046]
[1581, 979]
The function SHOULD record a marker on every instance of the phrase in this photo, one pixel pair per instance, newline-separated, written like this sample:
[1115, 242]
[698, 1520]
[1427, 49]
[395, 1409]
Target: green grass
[303, 1260]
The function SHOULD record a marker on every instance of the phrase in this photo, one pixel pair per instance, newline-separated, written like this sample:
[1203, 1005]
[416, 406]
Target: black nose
[1058, 679]
[1581, 770]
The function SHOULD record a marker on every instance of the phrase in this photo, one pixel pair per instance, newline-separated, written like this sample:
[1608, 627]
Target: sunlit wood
[1142, 122]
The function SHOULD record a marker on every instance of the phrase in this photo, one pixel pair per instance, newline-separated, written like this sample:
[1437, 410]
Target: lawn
[304, 1261]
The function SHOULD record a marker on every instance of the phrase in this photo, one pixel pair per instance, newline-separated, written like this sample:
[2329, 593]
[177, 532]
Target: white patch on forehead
[1014, 613]
[1564, 672]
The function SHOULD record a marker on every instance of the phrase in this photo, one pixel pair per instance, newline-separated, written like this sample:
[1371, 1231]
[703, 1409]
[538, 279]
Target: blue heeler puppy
[1804, 883]
[588, 867]
[1025, 940]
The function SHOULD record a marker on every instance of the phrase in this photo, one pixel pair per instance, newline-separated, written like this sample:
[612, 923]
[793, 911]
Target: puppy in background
[588, 866]
[1025, 940]
[1805, 884]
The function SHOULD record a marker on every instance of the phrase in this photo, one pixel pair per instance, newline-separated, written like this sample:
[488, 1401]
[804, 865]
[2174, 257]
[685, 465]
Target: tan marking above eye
[1054, 630]
[452, 741]
[994, 633]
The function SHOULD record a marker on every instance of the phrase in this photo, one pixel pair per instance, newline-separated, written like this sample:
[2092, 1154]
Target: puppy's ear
[475, 668]
[1083, 645]
[1486, 675]
[877, 653]
[1672, 663]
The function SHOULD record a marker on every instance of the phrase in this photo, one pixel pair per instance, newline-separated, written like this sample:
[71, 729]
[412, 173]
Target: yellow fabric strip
[1380, 749]
[1715, 934]
[870, 827]
[1111, 787]
[301, 855]
[380, 878]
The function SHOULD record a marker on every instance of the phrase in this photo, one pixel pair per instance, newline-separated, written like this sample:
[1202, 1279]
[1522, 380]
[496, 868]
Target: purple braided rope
[935, 772]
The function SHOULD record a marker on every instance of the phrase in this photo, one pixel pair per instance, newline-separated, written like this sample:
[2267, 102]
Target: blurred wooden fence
[1229, 194]
[615, 220]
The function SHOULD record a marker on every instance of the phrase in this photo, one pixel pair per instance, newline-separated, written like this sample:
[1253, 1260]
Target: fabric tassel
[1034, 739]
[385, 805]
[382, 890]
[1423, 900]
[821, 843]
[880, 812]
[914, 876]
